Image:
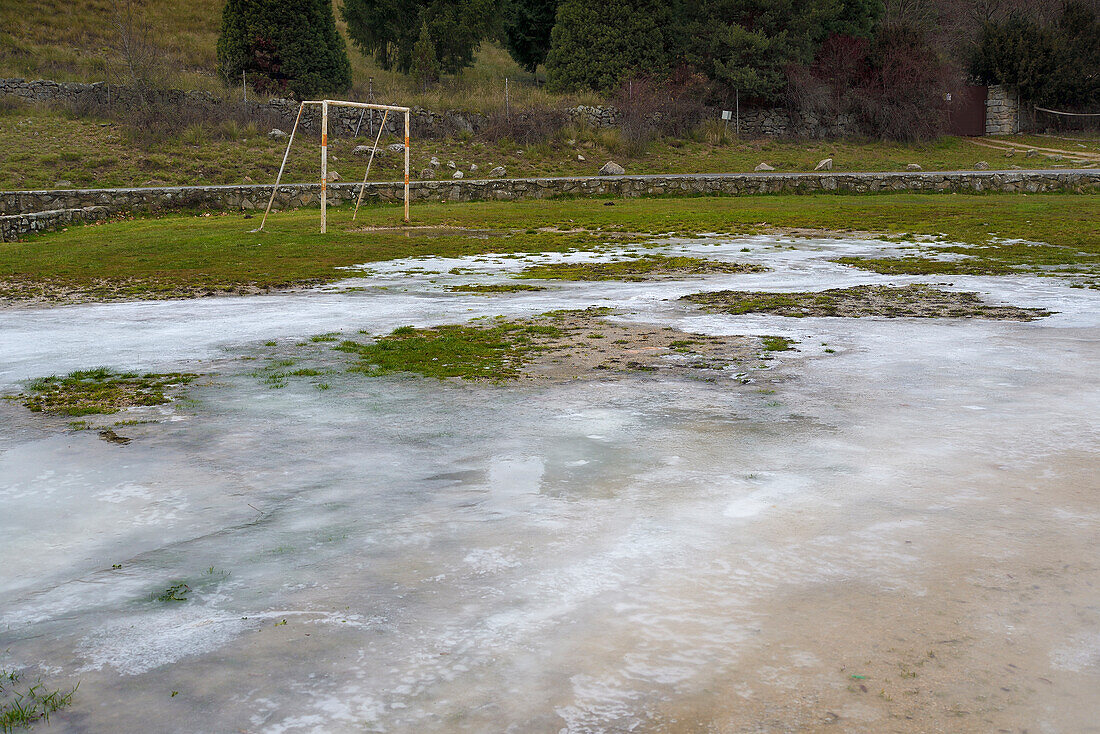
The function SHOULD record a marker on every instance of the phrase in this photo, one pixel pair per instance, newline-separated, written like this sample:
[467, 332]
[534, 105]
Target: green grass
[637, 269]
[23, 704]
[185, 255]
[97, 391]
[492, 352]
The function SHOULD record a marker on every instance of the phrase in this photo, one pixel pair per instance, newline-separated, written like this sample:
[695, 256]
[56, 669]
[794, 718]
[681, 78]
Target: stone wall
[14, 226]
[1002, 111]
[17, 204]
[346, 121]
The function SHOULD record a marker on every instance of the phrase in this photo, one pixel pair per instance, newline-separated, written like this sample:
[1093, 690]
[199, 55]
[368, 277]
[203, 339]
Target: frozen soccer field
[893, 527]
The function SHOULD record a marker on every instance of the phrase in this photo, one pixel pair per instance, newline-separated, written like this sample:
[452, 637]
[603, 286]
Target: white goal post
[325, 104]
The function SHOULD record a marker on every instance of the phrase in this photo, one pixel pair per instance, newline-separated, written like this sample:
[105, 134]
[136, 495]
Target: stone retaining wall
[14, 226]
[52, 209]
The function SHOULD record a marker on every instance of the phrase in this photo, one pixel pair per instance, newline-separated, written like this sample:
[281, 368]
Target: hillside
[76, 40]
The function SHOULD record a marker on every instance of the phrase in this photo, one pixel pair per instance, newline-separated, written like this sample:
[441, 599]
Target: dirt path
[1074, 156]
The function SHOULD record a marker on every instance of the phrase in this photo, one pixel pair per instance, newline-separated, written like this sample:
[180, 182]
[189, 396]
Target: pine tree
[597, 45]
[284, 45]
[527, 28]
[425, 66]
[389, 29]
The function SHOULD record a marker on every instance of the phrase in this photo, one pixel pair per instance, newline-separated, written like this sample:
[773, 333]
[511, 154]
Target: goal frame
[324, 105]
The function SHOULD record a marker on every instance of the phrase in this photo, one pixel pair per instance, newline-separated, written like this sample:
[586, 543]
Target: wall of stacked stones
[1002, 111]
[87, 204]
[345, 121]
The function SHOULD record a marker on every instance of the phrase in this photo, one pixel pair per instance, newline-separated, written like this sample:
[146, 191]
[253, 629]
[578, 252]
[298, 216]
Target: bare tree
[135, 47]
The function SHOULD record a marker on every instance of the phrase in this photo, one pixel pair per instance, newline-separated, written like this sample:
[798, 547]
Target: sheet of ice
[406, 555]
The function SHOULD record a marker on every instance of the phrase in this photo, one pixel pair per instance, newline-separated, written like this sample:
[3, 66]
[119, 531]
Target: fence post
[507, 104]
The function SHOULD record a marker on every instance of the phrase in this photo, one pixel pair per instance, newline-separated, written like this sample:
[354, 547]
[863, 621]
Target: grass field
[180, 256]
[42, 148]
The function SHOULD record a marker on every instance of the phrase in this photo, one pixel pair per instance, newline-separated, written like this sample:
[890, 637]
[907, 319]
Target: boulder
[1009, 153]
[63, 185]
[611, 168]
[277, 134]
[473, 167]
[451, 164]
[825, 164]
[428, 174]
[581, 158]
[333, 176]
[1056, 157]
[913, 167]
[434, 162]
[396, 147]
[763, 167]
[981, 166]
[497, 172]
[1031, 154]
[364, 151]
[457, 174]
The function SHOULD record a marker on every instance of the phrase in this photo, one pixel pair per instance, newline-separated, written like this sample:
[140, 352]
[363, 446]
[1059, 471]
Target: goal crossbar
[324, 105]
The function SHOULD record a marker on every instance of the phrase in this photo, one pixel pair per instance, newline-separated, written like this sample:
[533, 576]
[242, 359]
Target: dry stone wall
[1002, 111]
[59, 208]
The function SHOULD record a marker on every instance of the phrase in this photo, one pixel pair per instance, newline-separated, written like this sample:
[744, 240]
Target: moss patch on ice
[495, 288]
[101, 390]
[648, 267]
[913, 301]
[492, 352]
[558, 346]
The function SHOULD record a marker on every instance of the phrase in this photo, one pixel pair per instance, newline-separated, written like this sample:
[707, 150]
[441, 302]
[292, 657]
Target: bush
[596, 45]
[648, 108]
[290, 45]
[535, 125]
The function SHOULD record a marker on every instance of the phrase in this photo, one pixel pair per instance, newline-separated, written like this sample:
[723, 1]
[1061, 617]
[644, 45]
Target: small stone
[1031, 154]
[581, 158]
[434, 162]
[457, 174]
[63, 185]
[396, 147]
[333, 176]
[497, 172]
[763, 167]
[1009, 153]
[913, 167]
[473, 167]
[427, 174]
[277, 134]
[1056, 157]
[451, 164]
[826, 164]
[571, 142]
[981, 166]
[611, 168]
[155, 182]
[248, 179]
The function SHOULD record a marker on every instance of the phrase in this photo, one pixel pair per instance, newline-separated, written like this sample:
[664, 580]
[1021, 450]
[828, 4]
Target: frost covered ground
[893, 528]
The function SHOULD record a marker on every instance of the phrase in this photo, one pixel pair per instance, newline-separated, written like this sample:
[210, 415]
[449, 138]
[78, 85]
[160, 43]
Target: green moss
[495, 288]
[100, 391]
[490, 352]
[920, 301]
[777, 343]
[642, 268]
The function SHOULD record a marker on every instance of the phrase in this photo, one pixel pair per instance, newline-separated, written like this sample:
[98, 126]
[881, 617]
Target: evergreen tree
[389, 29]
[748, 44]
[1056, 64]
[596, 45]
[284, 45]
[425, 66]
[527, 28]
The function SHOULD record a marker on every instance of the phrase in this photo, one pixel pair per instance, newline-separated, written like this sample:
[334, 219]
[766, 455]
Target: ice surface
[576, 557]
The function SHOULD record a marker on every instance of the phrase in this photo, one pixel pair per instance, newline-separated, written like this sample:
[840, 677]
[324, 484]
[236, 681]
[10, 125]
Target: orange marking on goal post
[406, 141]
[324, 140]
